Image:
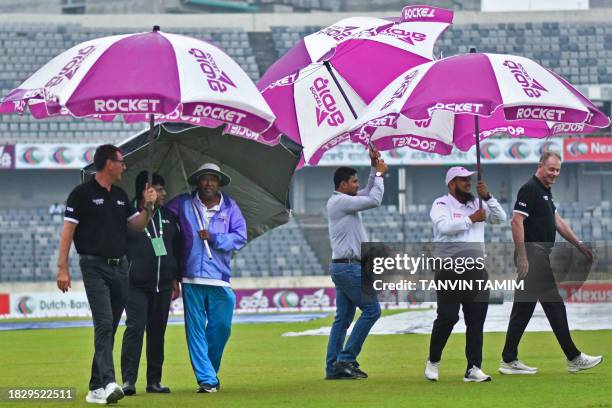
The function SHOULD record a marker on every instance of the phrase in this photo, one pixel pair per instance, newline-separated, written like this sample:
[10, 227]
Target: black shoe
[344, 369]
[128, 388]
[158, 388]
[208, 388]
[360, 373]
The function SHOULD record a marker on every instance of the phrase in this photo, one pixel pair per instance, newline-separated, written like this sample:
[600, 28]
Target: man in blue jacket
[212, 227]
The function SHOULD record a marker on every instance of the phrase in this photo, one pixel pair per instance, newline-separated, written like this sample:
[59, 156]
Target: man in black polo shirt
[96, 217]
[534, 227]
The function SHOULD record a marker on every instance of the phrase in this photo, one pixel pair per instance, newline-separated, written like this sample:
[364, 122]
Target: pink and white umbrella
[318, 88]
[444, 103]
[144, 77]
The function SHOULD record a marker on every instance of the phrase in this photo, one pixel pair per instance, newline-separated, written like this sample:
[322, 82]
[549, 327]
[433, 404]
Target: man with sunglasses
[96, 218]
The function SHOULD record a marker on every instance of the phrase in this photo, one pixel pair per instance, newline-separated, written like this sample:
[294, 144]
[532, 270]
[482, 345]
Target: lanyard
[161, 225]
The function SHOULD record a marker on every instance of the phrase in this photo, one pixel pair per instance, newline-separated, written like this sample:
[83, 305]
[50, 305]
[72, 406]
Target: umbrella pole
[477, 136]
[150, 153]
[331, 72]
[478, 168]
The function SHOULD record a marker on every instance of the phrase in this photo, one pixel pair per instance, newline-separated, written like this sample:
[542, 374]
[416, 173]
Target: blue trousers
[349, 296]
[208, 323]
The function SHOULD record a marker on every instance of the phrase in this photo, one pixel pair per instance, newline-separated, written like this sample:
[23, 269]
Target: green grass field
[263, 369]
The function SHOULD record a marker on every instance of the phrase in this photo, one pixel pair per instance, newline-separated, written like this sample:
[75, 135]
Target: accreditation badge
[159, 247]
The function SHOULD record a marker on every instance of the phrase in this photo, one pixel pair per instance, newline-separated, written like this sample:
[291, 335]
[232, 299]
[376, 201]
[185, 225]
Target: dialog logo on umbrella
[218, 80]
[327, 109]
[404, 35]
[71, 67]
[338, 33]
[531, 86]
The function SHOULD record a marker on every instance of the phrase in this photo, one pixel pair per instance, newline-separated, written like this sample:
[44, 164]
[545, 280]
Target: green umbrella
[260, 174]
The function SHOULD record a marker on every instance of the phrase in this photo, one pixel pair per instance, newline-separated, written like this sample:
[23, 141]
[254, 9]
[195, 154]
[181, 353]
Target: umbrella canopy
[172, 77]
[260, 174]
[319, 87]
[433, 107]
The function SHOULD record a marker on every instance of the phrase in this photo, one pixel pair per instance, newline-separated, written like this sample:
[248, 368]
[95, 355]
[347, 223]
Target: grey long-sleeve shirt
[346, 232]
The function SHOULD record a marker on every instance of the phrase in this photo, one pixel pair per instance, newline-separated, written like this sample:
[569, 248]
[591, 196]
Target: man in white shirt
[458, 222]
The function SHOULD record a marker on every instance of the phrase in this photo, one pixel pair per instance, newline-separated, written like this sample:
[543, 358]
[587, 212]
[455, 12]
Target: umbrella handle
[477, 136]
[478, 167]
[208, 250]
[150, 153]
[346, 99]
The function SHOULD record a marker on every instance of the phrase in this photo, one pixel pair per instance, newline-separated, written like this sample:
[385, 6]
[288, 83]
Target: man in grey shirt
[346, 233]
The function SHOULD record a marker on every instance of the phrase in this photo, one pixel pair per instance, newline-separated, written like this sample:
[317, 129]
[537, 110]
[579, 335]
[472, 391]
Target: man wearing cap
[212, 227]
[458, 222]
[153, 277]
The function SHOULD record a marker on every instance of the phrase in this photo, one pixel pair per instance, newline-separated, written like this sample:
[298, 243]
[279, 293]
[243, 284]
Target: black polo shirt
[535, 201]
[101, 217]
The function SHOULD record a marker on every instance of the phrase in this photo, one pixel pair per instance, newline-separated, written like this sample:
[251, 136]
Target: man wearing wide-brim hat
[212, 227]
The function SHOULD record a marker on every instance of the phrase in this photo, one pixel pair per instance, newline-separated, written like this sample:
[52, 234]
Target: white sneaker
[431, 370]
[583, 362]
[516, 367]
[113, 393]
[475, 374]
[96, 396]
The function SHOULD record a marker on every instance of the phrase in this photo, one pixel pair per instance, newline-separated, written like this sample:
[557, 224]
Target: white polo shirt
[451, 222]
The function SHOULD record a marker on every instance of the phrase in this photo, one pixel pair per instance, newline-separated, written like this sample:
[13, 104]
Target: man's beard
[464, 197]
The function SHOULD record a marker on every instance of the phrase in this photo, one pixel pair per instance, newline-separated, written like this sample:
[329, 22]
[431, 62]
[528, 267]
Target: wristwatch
[378, 174]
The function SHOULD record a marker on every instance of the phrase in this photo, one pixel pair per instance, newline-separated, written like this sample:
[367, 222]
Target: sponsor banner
[293, 298]
[276, 299]
[44, 304]
[587, 293]
[53, 156]
[51, 304]
[5, 307]
[593, 149]
[493, 150]
[7, 157]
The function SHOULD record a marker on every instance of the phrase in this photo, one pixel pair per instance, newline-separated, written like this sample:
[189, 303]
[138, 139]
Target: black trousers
[145, 311]
[106, 288]
[539, 286]
[475, 304]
